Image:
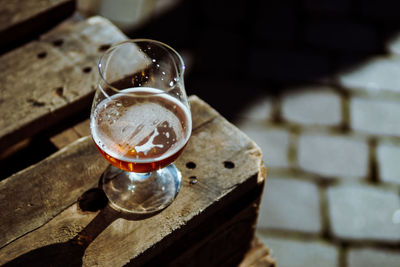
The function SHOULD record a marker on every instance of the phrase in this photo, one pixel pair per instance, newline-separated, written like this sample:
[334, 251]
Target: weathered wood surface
[48, 80]
[40, 220]
[69, 135]
[256, 256]
[21, 20]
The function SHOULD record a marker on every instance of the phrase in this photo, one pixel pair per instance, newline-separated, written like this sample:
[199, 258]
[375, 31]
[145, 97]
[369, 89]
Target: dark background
[241, 49]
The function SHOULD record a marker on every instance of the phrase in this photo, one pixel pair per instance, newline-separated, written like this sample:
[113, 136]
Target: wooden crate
[211, 222]
[54, 214]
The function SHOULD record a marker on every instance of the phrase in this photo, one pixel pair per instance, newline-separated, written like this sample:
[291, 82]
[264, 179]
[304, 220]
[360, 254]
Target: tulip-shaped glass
[140, 122]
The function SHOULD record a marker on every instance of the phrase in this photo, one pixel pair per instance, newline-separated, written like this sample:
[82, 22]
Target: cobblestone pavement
[332, 151]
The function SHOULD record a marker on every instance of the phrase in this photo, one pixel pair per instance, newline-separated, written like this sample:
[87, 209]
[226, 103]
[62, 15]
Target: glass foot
[141, 193]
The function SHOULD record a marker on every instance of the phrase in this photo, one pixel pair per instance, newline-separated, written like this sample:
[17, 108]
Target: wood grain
[69, 135]
[219, 210]
[35, 195]
[23, 20]
[46, 81]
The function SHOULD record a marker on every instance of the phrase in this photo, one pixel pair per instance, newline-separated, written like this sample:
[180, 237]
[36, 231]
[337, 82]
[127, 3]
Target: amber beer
[140, 129]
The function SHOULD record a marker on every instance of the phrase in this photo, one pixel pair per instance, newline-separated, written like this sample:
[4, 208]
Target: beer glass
[140, 122]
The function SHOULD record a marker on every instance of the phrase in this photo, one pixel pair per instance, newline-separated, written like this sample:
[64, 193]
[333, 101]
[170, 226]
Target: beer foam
[146, 147]
[130, 125]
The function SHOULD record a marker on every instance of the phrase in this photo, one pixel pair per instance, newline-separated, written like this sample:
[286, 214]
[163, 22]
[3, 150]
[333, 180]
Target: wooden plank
[22, 20]
[45, 189]
[46, 81]
[83, 128]
[65, 138]
[15, 148]
[222, 240]
[69, 135]
[43, 219]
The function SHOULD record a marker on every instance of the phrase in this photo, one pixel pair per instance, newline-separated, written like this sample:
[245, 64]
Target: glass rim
[137, 40]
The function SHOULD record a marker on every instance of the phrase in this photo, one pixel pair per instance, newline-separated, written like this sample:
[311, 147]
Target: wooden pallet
[205, 224]
[22, 20]
[49, 80]
[53, 213]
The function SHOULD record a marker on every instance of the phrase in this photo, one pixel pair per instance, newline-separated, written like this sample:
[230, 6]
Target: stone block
[333, 155]
[388, 156]
[258, 110]
[375, 116]
[273, 142]
[295, 253]
[373, 76]
[393, 44]
[298, 209]
[347, 62]
[363, 212]
[312, 106]
[363, 257]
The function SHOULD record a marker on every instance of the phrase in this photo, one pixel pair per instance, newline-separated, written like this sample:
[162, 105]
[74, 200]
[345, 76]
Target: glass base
[141, 193]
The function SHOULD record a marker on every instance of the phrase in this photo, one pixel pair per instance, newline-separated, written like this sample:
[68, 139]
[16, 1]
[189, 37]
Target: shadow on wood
[70, 253]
